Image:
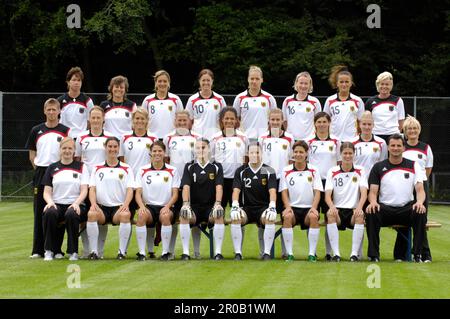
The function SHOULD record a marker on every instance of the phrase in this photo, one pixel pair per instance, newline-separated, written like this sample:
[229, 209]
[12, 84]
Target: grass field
[21, 277]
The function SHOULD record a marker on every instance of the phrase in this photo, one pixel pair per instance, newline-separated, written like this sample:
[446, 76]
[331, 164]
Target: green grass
[21, 277]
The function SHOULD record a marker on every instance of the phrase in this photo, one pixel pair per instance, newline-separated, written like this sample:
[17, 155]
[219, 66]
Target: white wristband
[272, 204]
[235, 204]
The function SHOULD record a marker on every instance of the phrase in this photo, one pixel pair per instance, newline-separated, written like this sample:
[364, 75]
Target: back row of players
[301, 114]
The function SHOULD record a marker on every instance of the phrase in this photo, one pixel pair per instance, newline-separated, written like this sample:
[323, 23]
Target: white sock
[92, 232]
[327, 243]
[357, 237]
[173, 239]
[102, 233]
[261, 240]
[288, 238]
[124, 235]
[185, 233]
[236, 235]
[243, 235]
[85, 241]
[269, 235]
[166, 234]
[151, 239]
[196, 235]
[333, 235]
[283, 246]
[218, 233]
[129, 239]
[141, 236]
[313, 238]
[360, 252]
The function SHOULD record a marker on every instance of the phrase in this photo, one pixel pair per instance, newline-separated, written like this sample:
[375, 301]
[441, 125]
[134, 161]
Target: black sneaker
[354, 258]
[165, 257]
[417, 259]
[185, 257]
[327, 257]
[120, 256]
[426, 259]
[336, 258]
[140, 257]
[374, 259]
[151, 255]
[218, 257]
[93, 256]
[237, 257]
[266, 257]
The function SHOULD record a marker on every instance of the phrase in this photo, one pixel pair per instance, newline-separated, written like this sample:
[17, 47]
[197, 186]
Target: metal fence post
[415, 106]
[1, 143]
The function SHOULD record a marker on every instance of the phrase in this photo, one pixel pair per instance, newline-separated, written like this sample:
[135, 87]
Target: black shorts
[154, 211]
[202, 215]
[300, 215]
[254, 215]
[109, 213]
[345, 215]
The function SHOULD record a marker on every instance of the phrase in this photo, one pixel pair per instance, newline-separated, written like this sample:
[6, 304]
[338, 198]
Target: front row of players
[112, 183]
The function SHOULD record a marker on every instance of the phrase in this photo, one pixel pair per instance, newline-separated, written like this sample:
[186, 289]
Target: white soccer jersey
[205, 113]
[299, 115]
[386, 113]
[346, 185]
[229, 151]
[300, 185]
[344, 116]
[111, 183]
[136, 150]
[162, 113]
[276, 151]
[66, 181]
[118, 116]
[75, 112]
[323, 154]
[420, 153]
[254, 112]
[91, 149]
[396, 182]
[157, 184]
[370, 152]
[180, 149]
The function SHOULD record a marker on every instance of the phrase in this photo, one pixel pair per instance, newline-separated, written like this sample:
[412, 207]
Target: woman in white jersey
[346, 195]
[253, 105]
[162, 105]
[344, 107]
[65, 188]
[387, 109]
[204, 107]
[299, 109]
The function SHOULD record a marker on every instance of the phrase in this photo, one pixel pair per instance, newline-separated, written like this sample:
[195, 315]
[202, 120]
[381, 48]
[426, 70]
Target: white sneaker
[35, 256]
[73, 256]
[59, 256]
[48, 255]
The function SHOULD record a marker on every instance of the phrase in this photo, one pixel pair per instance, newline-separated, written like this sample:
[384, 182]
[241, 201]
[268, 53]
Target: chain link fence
[20, 111]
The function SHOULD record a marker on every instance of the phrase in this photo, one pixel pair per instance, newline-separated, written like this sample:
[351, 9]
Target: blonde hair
[383, 77]
[276, 111]
[367, 115]
[52, 101]
[182, 112]
[335, 72]
[97, 108]
[117, 80]
[139, 111]
[304, 74]
[254, 68]
[158, 74]
[411, 121]
[66, 140]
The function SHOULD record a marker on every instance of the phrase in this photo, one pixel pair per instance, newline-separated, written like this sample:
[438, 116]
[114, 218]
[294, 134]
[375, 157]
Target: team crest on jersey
[238, 144]
[59, 138]
[81, 110]
[211, 176]
[121, 176]
[192, 144]
[354, 179]
[419, 155]
[216, 107]
[406, 175]
[391, 108]
[352, 108]
[284, 147]
[147, 145]
[330, 148]
[375, 149]
[166, 179]
[263, 104]
[264, 181]
[75, 175]
[308, 109]
[170, 108]
[310, 179]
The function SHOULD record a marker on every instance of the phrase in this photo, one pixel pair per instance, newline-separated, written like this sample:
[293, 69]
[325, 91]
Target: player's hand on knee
[143, 212]
[286, 212]
[235, 213]
[76, 208]
[270, 214]
[373, 208]
[358, 212]
[419, 208]
[186, 211]
[50, 205]
[314, 212]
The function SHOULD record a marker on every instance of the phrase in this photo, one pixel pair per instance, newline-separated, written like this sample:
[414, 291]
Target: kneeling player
[345, 194]
[300, 185]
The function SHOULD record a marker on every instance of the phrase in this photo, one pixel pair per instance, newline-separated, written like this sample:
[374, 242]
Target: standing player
[64, 192]
[157, 187]
[43, 146]
[255, 184]
[299, 109]
[300, 186]
[392, 183]
[388, 110]
[344, 107]
[118, 108]
[202, 185]
[162, 105]
[369, 148]
[323, 154]
[346, 194]
[420, 152]
[111, 191]
[75, 105]
[204, 107]
[253, 105]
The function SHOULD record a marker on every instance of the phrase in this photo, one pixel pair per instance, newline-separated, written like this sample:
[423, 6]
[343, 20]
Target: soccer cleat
[36, 256]
[120, 256]
[266, 257]
[399, 260]
[374, 259]
[151, 255]
[48, 255]
[238, 256]
[284, 257]
[165, 257]
[426, 259]
[218, 257]
[140, 257]
[73, 257]
[171, 256]
[354, 258]
[336, 258]
[197, 256]
[290, 258]
[59, 256]
[328, 257]
[185, 257]
[93, 256]
[417, 259]
[312, 258]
